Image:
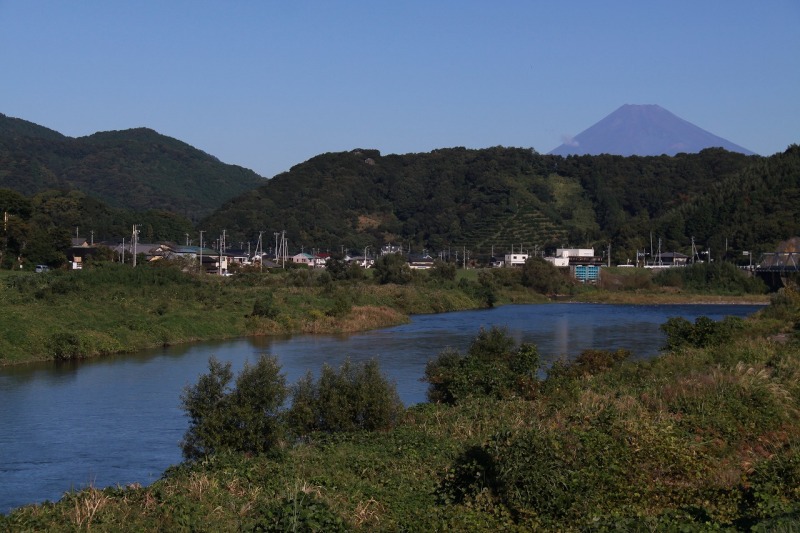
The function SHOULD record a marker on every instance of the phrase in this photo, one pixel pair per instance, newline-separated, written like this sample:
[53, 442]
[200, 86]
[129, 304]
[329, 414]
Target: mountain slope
[643, 130]
[475, 199]
[138, 169]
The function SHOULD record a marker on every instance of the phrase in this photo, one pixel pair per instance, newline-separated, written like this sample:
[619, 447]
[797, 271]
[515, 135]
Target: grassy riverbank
[706, 437]
[112, 308]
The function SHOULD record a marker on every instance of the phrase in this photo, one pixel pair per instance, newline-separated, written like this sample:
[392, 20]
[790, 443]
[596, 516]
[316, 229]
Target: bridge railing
[779, 262]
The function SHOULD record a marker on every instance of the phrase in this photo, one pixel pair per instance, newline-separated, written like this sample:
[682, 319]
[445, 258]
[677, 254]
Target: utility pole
[135, 239]
[201, 251]
[609, 254]
[187, 239]
[91, 241]
[260, 251]
[123, 250]
[221, 246]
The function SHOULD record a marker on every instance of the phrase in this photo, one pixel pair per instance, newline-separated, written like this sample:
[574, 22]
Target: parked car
[42, 268]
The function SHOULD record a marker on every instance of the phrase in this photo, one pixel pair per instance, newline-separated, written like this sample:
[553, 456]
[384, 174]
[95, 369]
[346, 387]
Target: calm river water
[117, 420]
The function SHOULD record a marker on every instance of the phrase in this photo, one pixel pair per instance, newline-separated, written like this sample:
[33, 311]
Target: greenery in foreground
[705, 437]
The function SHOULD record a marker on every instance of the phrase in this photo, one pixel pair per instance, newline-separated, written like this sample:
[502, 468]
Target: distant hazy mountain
[137, 169]
[643, 130]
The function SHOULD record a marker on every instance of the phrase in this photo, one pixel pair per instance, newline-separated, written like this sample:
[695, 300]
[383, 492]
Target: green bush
[784, 305]
[341, 306]
[589, 362]
[443, 271]
[356, 397]
[68, 345]
[542, 276]
[392, 268]
[299, 512]
[558, 478]
[493, 367]
[265, 306]
[720, 277]
[704, 332]
[244, 418]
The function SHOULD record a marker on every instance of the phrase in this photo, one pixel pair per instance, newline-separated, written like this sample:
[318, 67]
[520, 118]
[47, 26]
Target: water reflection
[117, 420]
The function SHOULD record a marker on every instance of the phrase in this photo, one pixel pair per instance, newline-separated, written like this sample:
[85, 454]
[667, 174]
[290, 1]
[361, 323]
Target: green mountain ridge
[492, 199]
[478, 201]
[137, 169]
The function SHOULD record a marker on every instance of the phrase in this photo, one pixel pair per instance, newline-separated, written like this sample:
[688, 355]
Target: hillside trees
[476, 199]
[38, 229]
[135, 169]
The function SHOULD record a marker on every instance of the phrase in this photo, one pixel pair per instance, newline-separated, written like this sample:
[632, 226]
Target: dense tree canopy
[478, 201]
[135, 169]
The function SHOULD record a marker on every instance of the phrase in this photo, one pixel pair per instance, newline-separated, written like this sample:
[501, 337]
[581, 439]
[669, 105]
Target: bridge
[776, 268]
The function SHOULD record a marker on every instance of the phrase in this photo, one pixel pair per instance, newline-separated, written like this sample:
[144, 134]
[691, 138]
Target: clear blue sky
[269, 84]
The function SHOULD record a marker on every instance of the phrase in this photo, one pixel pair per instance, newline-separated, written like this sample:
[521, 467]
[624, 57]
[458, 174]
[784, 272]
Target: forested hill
[137, 169]
[498, 197]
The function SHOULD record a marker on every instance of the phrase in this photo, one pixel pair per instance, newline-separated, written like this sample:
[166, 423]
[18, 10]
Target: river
[117, 420]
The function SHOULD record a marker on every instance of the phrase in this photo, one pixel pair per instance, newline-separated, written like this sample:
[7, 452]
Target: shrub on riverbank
[245, 418]
[357, 397]
[493, 367]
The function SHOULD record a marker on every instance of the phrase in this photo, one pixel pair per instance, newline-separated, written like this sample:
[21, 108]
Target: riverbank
[115, 309]
[703, 437]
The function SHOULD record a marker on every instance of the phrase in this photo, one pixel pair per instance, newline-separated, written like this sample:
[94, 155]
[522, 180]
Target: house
[420, 261]
[670, 259]
[240, 257]
[362, 261]
[321, 259]
[303, 259]
[80, 249]
[515, 259]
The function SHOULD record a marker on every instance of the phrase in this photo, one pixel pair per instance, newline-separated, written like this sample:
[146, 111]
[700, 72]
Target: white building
[560, 259]
[515, 259]
[575, 252]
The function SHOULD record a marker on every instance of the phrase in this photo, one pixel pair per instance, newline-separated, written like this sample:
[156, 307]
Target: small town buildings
[582, 263]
